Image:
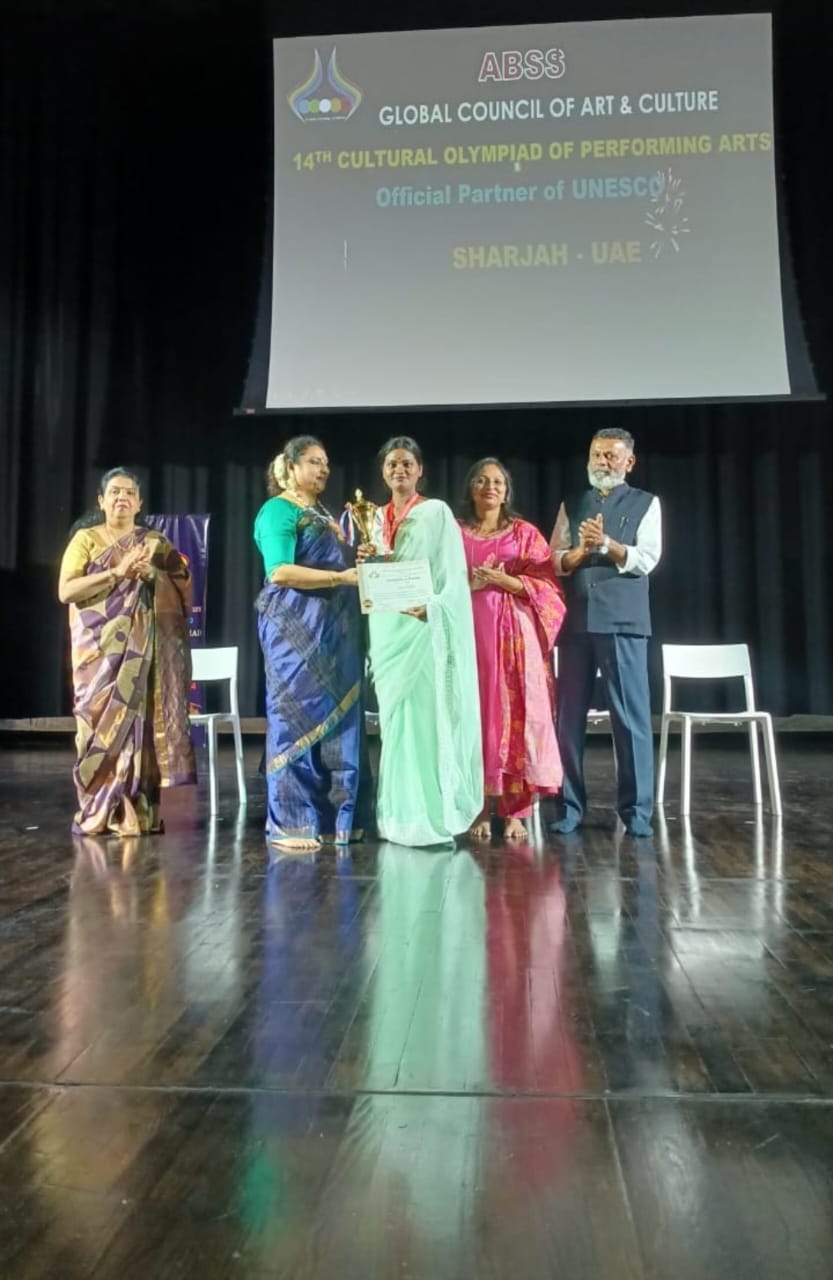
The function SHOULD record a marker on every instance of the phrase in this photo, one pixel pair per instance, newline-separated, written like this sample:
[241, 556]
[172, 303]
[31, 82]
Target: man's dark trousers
[623, 663]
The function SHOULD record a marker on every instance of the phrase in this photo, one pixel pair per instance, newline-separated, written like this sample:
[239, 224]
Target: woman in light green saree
[425, 670]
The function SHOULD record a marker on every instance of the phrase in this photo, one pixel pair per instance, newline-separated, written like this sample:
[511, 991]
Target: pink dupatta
[515, 636]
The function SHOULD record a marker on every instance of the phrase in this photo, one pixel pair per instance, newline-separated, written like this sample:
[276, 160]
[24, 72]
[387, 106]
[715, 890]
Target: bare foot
[514, 829]
[481, 828]
[294, 844]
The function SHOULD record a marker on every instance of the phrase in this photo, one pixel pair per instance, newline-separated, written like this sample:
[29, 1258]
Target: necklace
[480, 532]
[113, 539]
[298, 500]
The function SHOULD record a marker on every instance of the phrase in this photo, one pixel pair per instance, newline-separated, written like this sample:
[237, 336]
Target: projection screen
[582, 212]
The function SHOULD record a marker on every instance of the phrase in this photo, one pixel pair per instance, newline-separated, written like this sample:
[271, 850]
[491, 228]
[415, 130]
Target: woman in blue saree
[310, 634]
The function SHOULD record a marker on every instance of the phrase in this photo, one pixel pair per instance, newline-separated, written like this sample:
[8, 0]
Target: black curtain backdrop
[135, 153]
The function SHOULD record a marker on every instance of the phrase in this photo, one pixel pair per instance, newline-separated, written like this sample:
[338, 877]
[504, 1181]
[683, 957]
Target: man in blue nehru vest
[605, 543]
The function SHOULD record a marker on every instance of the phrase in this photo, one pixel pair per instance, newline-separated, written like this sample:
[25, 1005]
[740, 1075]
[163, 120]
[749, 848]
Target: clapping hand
[489, 574]
[591, 534]
[478, 581]
[136, 564]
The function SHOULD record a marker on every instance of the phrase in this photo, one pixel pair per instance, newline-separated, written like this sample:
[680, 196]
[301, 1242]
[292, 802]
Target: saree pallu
[131, 670]
[431, 766]
[515, 637]
[314, 661]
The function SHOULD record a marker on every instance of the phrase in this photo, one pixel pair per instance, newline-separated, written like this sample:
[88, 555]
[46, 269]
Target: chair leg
[771, 767]
[212, 767]
[756, 762]
[663, 759]
[238, 763]
[685, 784]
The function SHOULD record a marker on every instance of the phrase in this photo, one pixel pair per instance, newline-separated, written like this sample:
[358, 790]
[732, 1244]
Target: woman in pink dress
[518, 610]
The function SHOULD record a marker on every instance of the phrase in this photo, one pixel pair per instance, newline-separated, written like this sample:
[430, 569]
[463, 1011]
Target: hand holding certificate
[394, 586]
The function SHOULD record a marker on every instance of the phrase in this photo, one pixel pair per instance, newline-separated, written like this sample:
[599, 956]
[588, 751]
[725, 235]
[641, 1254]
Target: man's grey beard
[603, 480]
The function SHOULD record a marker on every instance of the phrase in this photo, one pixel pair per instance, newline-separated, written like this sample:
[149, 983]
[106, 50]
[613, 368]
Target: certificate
[389, 586]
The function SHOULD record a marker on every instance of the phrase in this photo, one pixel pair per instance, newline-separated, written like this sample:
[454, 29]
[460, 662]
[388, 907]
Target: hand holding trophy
[362, 512]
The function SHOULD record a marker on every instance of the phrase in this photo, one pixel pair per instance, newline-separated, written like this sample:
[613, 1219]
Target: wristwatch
[605, 547]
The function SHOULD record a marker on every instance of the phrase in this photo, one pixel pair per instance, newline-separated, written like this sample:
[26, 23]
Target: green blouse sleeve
[275, 532]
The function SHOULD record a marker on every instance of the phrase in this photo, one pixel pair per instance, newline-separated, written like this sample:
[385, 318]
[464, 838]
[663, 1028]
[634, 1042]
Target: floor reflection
[120, 951]
[589, 1056]
[406, 1180]
[531, 1034]
[465, 995]
[528, 984]
[309, 966]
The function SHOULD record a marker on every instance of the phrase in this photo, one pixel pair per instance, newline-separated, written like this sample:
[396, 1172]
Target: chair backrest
[217, 664]
[214, 664]
[706, 662]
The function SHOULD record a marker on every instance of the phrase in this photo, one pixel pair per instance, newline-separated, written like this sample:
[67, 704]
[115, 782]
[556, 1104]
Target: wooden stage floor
[592, 1057]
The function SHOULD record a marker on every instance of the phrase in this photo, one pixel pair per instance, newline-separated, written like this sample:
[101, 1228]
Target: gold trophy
[362, 513]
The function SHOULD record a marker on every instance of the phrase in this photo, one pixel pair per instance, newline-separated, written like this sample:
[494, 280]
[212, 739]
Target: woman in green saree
[128, 592]
[425, 670]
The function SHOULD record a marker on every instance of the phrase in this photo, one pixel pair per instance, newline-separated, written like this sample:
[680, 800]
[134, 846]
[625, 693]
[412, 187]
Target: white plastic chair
[714, 662]
[220, 664]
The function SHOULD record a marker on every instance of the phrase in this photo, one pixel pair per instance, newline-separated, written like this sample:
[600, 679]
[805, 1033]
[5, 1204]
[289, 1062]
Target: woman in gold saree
[128, 594]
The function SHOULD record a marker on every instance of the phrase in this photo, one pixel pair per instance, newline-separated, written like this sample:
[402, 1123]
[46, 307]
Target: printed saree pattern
[131, 669]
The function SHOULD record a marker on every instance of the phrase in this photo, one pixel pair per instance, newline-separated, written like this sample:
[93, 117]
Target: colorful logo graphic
[325, 97]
